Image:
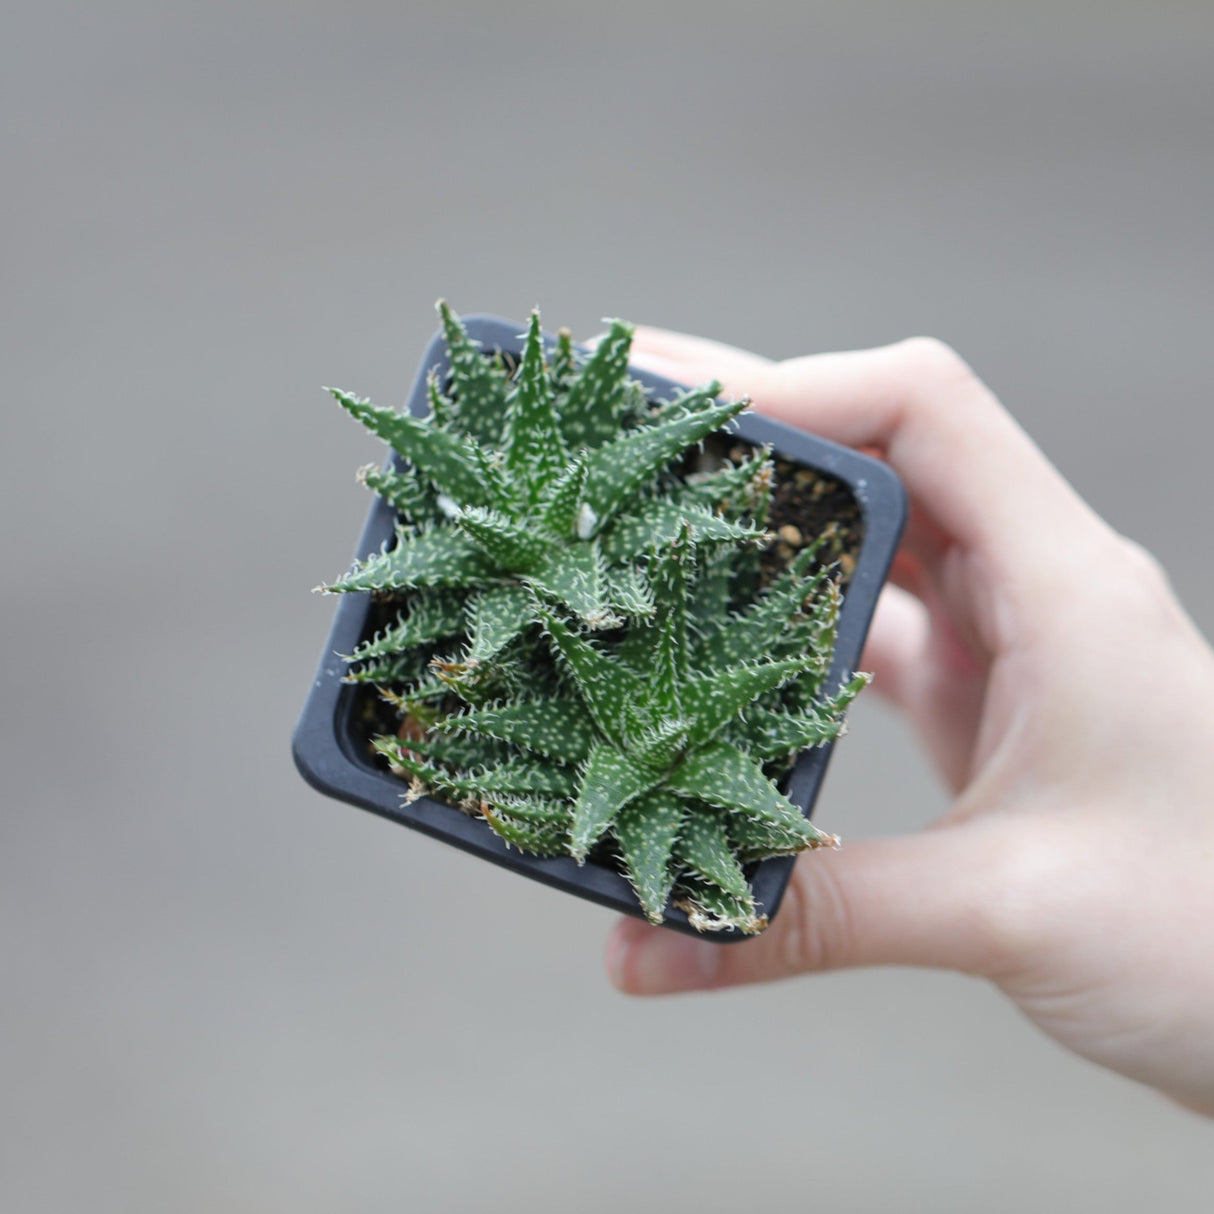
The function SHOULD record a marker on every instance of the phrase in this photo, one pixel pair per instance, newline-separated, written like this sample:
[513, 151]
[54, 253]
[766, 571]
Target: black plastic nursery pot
[331, 742]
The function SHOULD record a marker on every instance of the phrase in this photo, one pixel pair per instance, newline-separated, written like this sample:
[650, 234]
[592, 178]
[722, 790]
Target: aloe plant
[581, 646]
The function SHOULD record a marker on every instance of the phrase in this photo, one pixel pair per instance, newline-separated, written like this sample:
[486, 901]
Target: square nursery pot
[331, 749]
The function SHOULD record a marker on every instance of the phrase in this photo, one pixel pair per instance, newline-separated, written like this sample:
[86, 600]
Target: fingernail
[654, 961]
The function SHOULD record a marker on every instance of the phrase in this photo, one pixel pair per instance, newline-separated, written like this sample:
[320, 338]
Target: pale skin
[1067, 701]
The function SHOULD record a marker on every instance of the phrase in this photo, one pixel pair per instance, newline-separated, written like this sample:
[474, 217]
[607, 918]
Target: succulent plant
[581, 644]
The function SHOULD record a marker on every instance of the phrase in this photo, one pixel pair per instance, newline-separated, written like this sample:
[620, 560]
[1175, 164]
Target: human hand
[1067, 701]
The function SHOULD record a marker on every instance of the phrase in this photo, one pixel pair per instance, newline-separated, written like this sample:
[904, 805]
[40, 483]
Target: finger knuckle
[932, 361]
[1138, 583]
[1141, 565]
[1014, 915]
[816, 922]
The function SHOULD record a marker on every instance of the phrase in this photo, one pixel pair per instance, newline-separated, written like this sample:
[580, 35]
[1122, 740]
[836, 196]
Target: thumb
[923, 899]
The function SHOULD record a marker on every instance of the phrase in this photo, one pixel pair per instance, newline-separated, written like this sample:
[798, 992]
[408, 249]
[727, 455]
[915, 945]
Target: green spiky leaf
[658, 522]
[559, 728]
[496, 616]
[413, 499]
[623, 465]
[656, 744]
[712, 909]
[564, 363]
[711, 699]
[448, 460]
[772, 733]
[646, 830]
[591, 414]
[605, 686]
[755, 634]
[690, 400]
[424, 774]
[720, 774]
[609, 782]
[431, 615]
[465, 753]
[629, 592]
[511, 547]
[562, 512]
[395, 670]
[704, 850]
[478, 384]
[442, 408]
[535, 451]
[519, 824]
[670, 656]
[519, 775]
[577, 577]
[734, 489]
[433, 558]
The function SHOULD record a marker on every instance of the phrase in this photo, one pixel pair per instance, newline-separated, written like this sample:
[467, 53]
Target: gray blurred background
[222, 992]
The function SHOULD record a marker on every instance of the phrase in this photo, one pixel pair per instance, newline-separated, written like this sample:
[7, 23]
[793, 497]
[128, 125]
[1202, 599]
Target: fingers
[920, 900]
[680, 356]
[897, 641]
[968, 467]
[922, 668]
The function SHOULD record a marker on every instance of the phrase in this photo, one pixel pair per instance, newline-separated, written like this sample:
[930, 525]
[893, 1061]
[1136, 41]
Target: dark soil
[804, 505]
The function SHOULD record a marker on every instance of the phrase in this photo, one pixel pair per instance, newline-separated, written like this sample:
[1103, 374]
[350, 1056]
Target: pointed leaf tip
[610, 780]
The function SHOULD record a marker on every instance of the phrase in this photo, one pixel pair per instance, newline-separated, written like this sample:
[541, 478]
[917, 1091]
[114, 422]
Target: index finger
[965, 461]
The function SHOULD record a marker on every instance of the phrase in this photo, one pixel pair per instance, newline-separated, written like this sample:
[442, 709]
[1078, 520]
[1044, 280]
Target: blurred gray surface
[223, 992]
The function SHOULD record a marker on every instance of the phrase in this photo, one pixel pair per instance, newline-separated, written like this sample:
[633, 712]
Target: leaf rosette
[582, 651]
